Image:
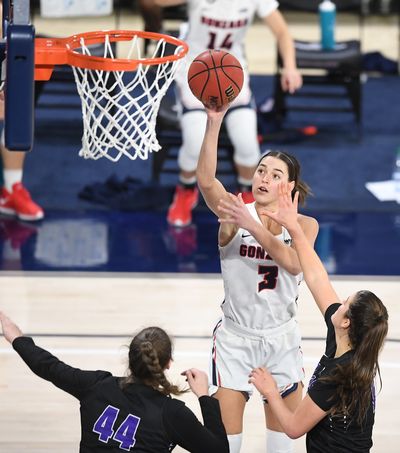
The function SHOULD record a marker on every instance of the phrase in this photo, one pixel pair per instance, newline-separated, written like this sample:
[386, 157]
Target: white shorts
[236, 350]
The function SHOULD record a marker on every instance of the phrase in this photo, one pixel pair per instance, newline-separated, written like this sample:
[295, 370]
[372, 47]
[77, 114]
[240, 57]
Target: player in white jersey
[259, 311]
[249, 272]
[223, 24]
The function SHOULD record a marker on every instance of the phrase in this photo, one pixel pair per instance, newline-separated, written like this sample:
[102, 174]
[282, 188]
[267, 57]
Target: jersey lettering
[252, 251]
[224, 23]
[125, 434]
[227, 42]
[270, 277]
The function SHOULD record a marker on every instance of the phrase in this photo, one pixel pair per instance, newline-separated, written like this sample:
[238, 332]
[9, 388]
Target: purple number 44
[125, 433]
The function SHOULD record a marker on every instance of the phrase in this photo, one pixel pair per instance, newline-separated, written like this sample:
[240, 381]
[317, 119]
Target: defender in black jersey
[337, 432]
[338, 411]
[136, 413]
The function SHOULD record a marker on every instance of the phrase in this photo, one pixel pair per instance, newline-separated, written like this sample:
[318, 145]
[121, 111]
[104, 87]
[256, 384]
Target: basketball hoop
[120, 96]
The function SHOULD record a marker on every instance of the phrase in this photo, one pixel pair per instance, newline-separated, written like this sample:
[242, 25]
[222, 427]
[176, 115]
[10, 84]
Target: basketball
[215, 78]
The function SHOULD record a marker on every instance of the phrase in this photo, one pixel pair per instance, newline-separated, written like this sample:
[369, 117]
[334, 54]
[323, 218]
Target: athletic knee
[244, 139]
[193, 125]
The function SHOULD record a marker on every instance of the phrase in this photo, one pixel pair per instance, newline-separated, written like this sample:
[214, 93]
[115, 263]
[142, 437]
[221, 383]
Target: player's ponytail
[150, 352]
[294, 173]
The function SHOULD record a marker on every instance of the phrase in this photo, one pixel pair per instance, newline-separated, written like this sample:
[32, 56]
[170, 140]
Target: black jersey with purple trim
[136, 418]
[339, 433]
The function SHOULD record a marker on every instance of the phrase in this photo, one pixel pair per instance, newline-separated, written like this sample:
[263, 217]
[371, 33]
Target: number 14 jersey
[259, 293]
[222, 24]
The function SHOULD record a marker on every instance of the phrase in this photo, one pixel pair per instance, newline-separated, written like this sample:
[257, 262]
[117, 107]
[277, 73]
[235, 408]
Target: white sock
[278, 442]
[188, 181]
[11, 177]
[235, 442]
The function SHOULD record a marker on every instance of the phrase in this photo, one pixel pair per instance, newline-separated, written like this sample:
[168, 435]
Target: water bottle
[327, 19]
[396, 176]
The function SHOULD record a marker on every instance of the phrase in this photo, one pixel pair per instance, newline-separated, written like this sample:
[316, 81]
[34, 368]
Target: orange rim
[59, 51]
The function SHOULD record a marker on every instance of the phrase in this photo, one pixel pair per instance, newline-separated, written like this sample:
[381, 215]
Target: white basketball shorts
[236, 350]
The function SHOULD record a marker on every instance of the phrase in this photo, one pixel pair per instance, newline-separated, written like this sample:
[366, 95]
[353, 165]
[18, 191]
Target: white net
[119, 108]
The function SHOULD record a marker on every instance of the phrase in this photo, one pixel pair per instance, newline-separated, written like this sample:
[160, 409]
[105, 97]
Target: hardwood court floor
[87, 320]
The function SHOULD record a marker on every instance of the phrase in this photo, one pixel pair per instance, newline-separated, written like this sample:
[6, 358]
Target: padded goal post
[18, 43]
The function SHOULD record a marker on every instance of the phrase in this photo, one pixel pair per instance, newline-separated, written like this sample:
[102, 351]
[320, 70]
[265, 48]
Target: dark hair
[294, 173]
[367, 332]
[149, 354]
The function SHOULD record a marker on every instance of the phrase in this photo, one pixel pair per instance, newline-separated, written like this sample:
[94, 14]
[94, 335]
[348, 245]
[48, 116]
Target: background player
[136, 410]
[261, 291]
[338, 411]
[222, 24]
[14, 197]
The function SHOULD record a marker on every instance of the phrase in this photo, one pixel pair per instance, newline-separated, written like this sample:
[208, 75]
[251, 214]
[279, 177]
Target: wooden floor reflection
[87, 322]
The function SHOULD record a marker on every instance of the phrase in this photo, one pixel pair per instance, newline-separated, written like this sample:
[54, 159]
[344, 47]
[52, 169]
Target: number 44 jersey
[259, 293]
[133, 417]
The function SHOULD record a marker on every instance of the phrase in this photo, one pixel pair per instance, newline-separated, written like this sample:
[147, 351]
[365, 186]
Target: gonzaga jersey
[219, 24]
[222, 24]
[259, 293]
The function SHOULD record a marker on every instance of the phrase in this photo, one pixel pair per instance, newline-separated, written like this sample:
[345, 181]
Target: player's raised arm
[10, 330]
[314, 271]
[211, 188]
[209, 185]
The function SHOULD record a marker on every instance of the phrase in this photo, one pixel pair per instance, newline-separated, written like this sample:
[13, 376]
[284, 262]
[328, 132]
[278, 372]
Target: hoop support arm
[48, 53]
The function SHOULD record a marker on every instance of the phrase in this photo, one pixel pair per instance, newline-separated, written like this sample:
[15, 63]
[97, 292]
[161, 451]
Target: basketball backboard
[17, 45]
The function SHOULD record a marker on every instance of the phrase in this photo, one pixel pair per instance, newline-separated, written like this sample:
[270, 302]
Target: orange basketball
[215, 78]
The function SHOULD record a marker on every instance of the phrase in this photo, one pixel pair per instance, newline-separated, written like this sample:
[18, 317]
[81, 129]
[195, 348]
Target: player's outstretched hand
[10, 330]
[217, 113]
[197, 380]
[263, 381]
[286, 213]
[233, 210]
[291, 80]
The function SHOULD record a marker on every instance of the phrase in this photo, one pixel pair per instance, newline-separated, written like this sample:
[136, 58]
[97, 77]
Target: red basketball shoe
[19, 203]
[180, 211]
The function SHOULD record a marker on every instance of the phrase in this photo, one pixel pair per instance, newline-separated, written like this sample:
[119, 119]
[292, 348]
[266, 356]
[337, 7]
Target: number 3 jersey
[259, 294]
